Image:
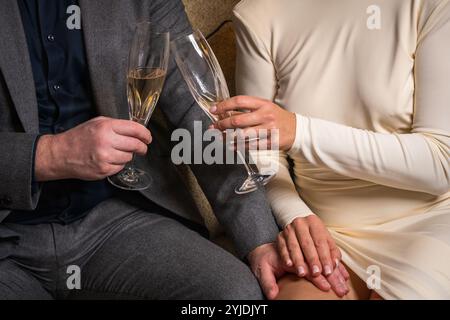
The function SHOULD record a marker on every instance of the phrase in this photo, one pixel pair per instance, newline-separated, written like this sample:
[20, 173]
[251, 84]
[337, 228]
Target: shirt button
[56, 87]
[51, 38]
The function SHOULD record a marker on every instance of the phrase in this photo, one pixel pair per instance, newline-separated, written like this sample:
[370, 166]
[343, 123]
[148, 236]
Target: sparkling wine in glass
[204, 77]
[147, 67]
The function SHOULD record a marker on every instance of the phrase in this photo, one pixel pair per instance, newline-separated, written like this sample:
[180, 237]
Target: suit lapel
[107, 41]
[15, 65]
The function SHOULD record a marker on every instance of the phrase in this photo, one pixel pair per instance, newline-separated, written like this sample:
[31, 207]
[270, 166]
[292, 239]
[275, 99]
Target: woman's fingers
[295, 252]
[308, 248]
[319, 235]
[240, 121]
[283, 250]
[238, 103]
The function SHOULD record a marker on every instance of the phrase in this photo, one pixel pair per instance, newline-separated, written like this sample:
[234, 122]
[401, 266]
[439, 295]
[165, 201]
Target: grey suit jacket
[108, 27]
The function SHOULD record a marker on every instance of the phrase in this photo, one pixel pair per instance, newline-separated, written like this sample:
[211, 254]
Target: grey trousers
[120, 252]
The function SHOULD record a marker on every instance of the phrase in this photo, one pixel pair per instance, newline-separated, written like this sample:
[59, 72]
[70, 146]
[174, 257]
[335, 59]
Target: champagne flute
[204, 77]
[147, 67]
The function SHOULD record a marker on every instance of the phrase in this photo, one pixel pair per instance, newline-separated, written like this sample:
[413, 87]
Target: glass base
[131, 179]
[254, 182]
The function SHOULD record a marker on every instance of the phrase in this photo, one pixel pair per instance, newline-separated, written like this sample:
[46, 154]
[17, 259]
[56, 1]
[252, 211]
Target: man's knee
[16, 284]
[240, 285]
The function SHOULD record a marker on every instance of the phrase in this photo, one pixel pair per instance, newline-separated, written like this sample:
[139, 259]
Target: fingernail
[213, 109]
[315, 269]
[337, 262]
[301, 271]
[289, 263]
[328, 270]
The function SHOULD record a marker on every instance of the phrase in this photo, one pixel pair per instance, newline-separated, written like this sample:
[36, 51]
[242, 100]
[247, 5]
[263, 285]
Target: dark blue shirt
[59, 64]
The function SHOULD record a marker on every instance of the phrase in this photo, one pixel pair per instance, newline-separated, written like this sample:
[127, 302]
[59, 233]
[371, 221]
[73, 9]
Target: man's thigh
[150, 256]
[18, 284]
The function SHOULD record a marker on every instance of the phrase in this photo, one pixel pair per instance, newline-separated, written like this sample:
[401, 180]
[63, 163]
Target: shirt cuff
[303, 137]
[35, 186]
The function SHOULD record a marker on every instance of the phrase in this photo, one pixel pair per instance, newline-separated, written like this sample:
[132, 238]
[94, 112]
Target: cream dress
[369, 81]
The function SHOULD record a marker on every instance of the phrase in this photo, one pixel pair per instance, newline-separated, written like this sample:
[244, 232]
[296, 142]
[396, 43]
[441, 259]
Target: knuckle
[129, 157]
[148, 135]
[313, 219]
[219, 125]
[240, 100]
[306, 243]
[320, 243]
[102, 156]
[271, 125]
[280, 237]
[104, 170]
[288, 228]
[270, 117]
[292, 250]
[143, 148]
[298, 222]
[235, 121]
[102, 125]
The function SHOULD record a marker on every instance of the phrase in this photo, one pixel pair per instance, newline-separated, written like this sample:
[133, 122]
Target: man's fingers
[238, 103]
[343, 282]
[320, 282]
[132, 129]
[128, 144]
[335, 252]
[337, 283]
[120, 158]
[268, 282]
[344, 271]
[283, 250]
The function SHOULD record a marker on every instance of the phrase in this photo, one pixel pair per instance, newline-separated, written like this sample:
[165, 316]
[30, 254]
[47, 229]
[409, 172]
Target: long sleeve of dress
[417, 161]
[282, 194]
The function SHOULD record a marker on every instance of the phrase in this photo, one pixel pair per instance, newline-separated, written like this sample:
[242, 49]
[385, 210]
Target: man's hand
[93, 150]
[267, 266]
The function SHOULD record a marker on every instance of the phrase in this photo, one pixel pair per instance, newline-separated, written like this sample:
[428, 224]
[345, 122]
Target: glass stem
[250, 171]
[130, 165]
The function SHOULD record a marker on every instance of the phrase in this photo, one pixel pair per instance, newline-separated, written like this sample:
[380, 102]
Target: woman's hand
[306, 245]
[264, 115]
